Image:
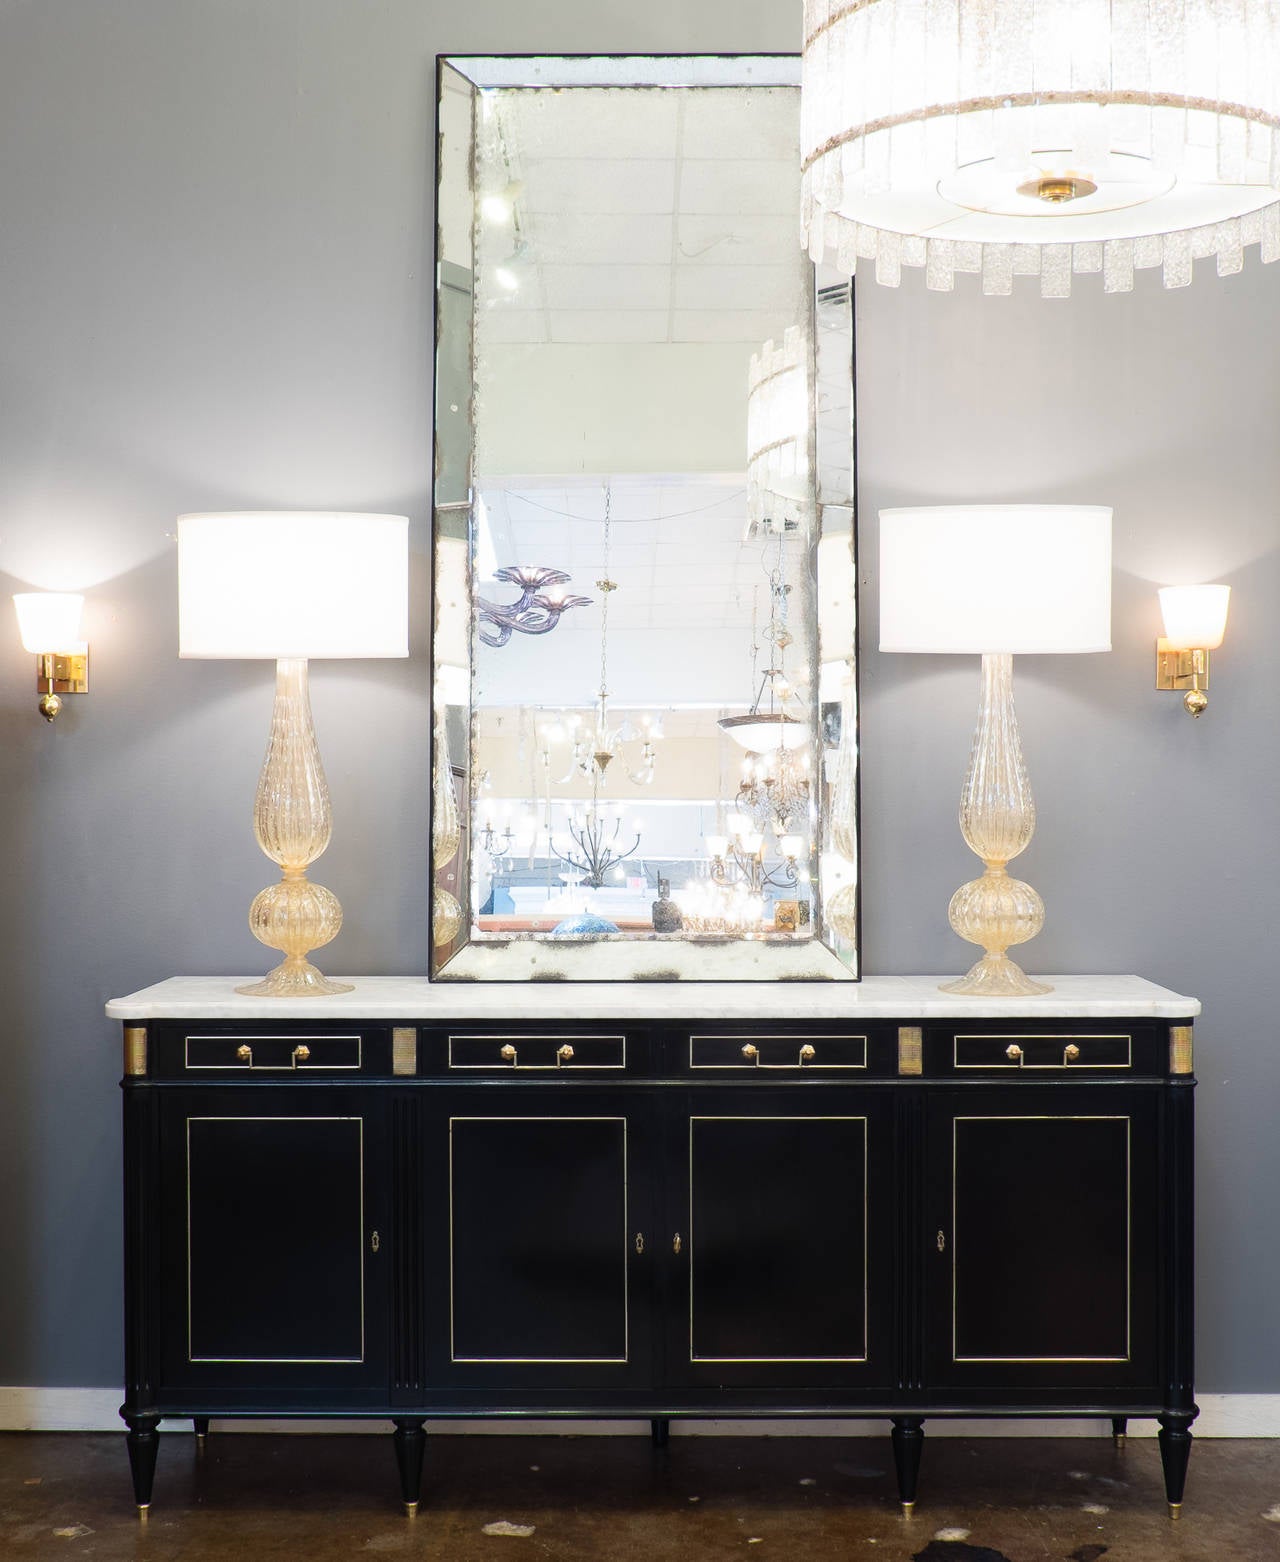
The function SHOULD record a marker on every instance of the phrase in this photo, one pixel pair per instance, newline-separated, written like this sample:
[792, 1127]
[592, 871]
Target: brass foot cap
[411, 1510]
[143, 1509]
[1120, 1439]
[908, 1508]
[1175, 1510]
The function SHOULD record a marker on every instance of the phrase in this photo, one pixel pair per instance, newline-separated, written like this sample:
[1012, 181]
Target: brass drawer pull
[301, 1053]
[1013, 1052]
[639, 1241]
[564, 1055]
[807, 1054]
[676, 1244]
[1070, 1053]
[245, 1053]
[752, 1053]
[508, 1054]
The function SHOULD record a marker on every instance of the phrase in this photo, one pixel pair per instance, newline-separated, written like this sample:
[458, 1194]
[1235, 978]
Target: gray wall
[215, 283]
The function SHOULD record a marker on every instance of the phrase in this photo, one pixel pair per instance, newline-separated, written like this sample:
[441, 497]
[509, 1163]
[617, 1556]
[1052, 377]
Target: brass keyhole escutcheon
[676, 1244]
[639, 1241]
[375, 1241]
[942, 1241]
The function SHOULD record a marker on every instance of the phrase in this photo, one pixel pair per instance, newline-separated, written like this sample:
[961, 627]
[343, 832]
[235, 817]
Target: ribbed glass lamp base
[295, 978]
[996, 976]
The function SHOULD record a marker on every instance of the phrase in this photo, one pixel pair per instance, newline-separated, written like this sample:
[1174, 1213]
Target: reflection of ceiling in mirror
[682, 562]
[650, 215]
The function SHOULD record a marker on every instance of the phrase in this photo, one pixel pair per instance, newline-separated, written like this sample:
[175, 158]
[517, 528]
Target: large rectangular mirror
[645, 733]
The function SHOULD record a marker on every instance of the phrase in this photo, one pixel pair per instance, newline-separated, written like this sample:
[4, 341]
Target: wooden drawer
[266, 1053]
[1010, 1051]
[514, 1052]
[785, 1051]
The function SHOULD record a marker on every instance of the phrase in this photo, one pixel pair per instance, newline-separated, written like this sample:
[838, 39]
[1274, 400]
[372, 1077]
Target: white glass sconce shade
[291, 585]
[996, 580]
[1195, 617]
[49, 621]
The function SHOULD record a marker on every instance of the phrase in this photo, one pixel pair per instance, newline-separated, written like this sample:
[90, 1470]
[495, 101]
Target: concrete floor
[597, 1499]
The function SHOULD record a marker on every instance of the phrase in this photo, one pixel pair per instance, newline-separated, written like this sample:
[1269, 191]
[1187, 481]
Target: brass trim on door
[135, 1050]
[551, 1361]
[280, 1360]
[807, 1117]
[1049, 1117]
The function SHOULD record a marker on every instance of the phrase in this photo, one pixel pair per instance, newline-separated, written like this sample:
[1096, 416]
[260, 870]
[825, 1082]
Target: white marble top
[874, 998]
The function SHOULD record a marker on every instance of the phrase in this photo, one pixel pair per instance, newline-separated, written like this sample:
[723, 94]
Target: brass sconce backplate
[1186, 672]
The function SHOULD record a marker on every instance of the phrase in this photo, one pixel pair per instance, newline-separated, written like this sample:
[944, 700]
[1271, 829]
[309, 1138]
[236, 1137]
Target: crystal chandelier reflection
[739, 857]
[712, 909]
[1043, 140]
[537, 610]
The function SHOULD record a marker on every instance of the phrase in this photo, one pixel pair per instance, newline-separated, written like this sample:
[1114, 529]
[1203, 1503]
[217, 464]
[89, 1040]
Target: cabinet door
[1042, 1236]
[782, 1240]
[272, 1243]
[540, 1257]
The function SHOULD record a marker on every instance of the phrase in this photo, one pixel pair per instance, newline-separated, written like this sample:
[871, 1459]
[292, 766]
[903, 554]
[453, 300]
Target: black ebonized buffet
[829, 1209]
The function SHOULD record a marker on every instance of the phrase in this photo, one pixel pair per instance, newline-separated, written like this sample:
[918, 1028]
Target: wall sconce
[49, 622]
[1195, 619]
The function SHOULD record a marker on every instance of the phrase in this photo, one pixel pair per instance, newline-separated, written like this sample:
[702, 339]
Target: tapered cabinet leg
[410, 1444]
[201, 1424]
[908, 1444]
[660, 1431]
[1119, 1429]
[1175, 1451]
[143, 1441]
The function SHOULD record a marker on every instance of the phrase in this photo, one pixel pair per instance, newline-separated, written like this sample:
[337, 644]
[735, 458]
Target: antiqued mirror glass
[645, 733]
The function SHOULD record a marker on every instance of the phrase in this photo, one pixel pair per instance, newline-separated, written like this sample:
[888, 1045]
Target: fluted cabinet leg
[908, 1444]
[410, 1445]
[143, 1441]
[1119, 1429]
[1175, 1451]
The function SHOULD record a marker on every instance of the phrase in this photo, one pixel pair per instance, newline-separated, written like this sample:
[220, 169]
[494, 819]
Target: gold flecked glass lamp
[292, 586]
[996, 580]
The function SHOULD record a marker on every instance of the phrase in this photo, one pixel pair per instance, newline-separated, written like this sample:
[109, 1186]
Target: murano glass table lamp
[996, 580]
[293, 585]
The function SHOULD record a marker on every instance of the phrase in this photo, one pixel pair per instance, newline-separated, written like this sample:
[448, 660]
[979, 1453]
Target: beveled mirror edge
[656, 958]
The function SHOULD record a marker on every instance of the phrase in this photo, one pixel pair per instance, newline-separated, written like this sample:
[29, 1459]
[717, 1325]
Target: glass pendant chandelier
[1040, 137]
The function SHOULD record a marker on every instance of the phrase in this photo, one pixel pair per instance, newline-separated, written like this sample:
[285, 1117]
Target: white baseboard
[97, 1410]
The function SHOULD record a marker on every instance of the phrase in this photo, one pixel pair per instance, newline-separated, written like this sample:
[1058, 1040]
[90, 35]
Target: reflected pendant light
[1040, 137]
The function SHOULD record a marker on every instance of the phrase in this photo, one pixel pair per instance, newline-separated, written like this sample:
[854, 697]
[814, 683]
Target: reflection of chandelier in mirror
[594, 851]
[739, 857]
[1041, 140]
[716, 909]
[597, 750]
[779, 478]
[536, 612]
